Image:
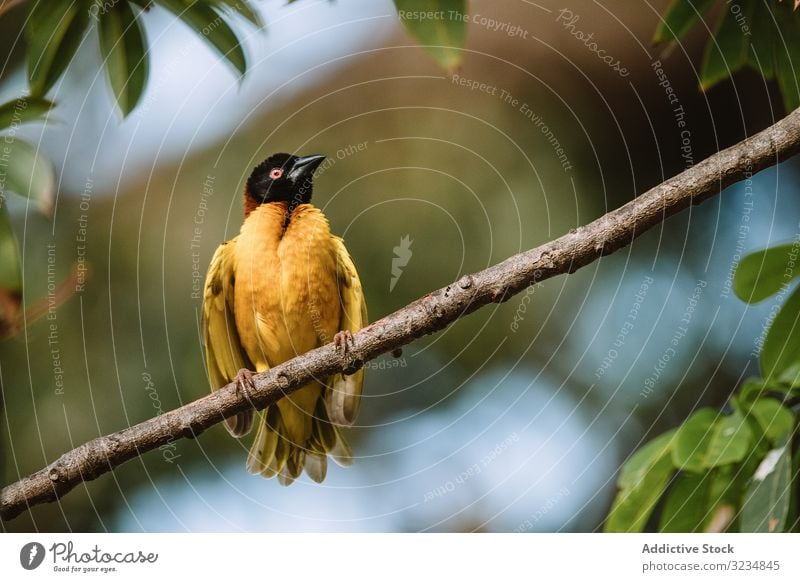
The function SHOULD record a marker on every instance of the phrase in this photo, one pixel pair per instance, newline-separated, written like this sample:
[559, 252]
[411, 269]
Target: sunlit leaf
[209, 24]
[24, 110]
[10, 275]
[637, 466]
[642, 481]
[766, 504]
[439, 25]
[680, 17]
[773, 418]
[751, 389]
[762, 274]
[123, 47]
[30, 174]
[54, 31]
[708, 439]
[727, 52]
[779, 354]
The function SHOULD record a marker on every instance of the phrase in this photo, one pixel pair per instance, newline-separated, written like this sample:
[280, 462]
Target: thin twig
[426, 315]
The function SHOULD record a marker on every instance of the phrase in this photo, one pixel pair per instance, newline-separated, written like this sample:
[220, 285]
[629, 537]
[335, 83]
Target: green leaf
[10, 274]
[24, 110]
[209, 24]
[639, 464]
[633, 506]
[761, 56]
[124, 50]
[708, 439]
[787, 56]
[773, 418]
[726, 53]
[439, 25]
[794, 500]
[763, 273]
[766, 504]
[688, 507]
[751, 390]
[780, 353]
[54, 31]
[724, 498]
[642, 480]
[679, 18]
[243, 8]
[30, 174]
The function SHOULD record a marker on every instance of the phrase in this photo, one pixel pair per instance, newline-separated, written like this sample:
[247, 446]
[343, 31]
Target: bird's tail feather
[239, 425]
[274, 453]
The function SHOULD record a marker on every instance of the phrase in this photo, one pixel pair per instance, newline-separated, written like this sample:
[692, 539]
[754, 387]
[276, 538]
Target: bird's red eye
[275, 173]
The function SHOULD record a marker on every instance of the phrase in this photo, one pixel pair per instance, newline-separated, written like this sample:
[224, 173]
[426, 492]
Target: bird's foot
[343, 341]
[244, 382]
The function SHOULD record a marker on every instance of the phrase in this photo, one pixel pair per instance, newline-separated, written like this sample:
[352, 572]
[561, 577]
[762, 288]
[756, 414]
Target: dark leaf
[760, 55]
[24, 110]
[680, 17]
[123, 47]
[54, 30]
[688, 507]
[726, 53]
[209, 24]
[787, 56]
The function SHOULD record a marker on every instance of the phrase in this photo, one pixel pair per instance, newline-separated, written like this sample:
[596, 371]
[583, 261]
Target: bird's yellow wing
[225, 355]
[342, 398]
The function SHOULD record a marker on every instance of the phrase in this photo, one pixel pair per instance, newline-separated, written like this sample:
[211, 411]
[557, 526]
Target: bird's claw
[244, 381]
[343, 341]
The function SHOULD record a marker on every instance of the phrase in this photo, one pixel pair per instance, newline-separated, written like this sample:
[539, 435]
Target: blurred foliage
[56, 29]
[440, 25]
[117, 376]
[26, 173]
[731, 471]
[759, 34]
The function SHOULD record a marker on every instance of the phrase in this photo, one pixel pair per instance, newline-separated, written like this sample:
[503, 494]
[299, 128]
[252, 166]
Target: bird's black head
[283, 178]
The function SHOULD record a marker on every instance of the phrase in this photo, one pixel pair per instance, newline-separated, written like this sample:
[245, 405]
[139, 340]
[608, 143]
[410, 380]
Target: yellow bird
[283, 286]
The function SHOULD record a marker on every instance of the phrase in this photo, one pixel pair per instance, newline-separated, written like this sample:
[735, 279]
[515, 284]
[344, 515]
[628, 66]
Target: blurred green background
[515, 418]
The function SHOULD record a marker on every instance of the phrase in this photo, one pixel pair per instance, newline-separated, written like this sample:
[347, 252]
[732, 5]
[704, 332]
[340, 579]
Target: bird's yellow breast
[286, 298]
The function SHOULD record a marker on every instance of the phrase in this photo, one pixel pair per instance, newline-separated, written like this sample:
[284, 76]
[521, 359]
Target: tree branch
[426, 315]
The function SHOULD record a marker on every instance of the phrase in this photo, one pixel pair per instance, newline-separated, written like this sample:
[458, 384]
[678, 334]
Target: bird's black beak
[303, 168]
